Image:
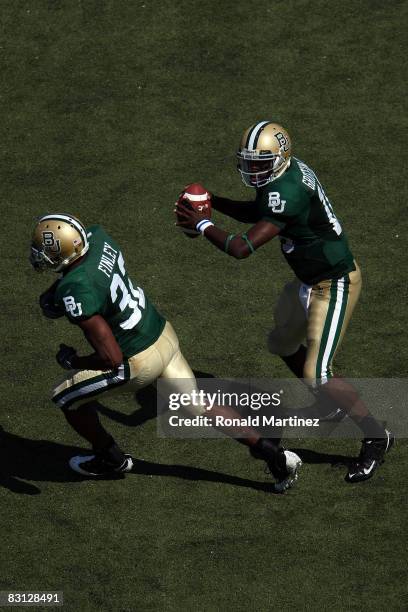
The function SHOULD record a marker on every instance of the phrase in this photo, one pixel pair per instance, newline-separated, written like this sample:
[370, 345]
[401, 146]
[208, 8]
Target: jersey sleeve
[278, 206]
[76, 301]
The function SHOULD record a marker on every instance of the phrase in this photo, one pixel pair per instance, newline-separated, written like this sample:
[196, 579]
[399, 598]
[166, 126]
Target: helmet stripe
[68, 219]
[255, 145]
[253, 135]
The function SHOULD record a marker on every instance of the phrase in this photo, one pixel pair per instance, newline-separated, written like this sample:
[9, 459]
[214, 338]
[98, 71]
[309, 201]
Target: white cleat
[293, 463]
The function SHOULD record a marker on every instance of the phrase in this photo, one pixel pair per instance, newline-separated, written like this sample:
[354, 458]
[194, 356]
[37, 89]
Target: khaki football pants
[318, 317]
[162, 359]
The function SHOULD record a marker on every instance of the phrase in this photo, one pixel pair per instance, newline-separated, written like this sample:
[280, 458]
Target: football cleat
[287, 474]
[370, 458]
[335, 416]
[282, 464]
[96, 465]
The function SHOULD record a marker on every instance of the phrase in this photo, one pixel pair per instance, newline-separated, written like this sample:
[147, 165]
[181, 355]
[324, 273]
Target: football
[197, 197]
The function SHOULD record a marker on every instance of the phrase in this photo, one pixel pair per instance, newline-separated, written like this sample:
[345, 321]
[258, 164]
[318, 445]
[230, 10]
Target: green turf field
[108, 109]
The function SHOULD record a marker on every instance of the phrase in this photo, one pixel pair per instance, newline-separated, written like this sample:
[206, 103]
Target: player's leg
[282, 463]
[75, 395]
[181, 379]
[288, 338]
[330, 310]
[84, 419]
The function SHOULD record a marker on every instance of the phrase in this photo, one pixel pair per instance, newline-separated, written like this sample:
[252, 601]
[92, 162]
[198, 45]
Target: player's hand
[180, 198]
[188, 217]
[65, 355]
[48, 307]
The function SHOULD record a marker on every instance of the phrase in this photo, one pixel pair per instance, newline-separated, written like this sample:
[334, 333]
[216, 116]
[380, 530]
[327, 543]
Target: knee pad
[193, 410]
[280, 344]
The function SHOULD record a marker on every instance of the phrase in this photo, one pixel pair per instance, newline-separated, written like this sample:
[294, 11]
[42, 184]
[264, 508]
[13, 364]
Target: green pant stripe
[86, 388]
[341, 317]
[326, 328]
[333, 325]
[78, 385]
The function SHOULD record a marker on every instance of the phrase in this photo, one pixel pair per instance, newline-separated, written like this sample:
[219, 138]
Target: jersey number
[131, 298]
[335, 223]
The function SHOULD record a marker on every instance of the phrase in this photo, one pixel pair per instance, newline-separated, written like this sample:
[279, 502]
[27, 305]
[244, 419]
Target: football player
[131, 340]
[313, 311]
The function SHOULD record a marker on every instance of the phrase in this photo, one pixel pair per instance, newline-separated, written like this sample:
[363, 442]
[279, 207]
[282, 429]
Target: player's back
[99, 284]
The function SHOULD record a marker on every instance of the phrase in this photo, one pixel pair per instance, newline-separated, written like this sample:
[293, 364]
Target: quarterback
[314, 309]
[133, 344]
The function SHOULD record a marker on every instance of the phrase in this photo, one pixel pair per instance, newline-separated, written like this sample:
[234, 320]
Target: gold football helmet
[264, 153]
[58, 240]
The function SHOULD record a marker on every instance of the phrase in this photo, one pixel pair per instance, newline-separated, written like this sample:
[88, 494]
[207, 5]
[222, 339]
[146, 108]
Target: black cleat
[370, 458]
[335, 416]
[97, 465]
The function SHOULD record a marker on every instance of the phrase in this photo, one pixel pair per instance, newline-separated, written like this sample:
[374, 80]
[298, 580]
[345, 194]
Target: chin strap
[282, 170]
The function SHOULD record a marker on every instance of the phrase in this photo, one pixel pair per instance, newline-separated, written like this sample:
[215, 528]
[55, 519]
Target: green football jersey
[99, 284]
[312, 239]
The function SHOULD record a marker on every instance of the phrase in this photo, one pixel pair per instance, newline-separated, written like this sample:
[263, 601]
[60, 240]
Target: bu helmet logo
[50, 243]
[283, 141]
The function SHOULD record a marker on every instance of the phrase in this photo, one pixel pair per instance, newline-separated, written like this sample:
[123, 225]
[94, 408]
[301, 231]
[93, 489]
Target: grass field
[108, 109]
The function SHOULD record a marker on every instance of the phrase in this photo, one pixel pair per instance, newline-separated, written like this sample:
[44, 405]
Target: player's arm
[241, 211]
[108, 354]
[239, 246]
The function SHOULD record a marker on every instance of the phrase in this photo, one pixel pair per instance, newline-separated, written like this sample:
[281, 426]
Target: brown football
[197, 197]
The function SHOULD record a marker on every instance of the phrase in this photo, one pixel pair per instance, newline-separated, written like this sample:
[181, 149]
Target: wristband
[227, 241]
[249, 243]
[203, 224]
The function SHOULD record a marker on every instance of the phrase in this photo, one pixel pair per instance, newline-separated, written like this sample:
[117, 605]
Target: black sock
[371, 428]
[98, 448]
[267, 449]
[296, 362]
[112, 453]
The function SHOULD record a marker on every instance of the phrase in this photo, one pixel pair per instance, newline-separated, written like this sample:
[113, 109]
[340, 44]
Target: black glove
[47, 305]
[65, 355]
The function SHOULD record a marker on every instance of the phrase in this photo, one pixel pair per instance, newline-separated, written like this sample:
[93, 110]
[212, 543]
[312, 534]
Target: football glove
[48, 307]
[65, 355]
